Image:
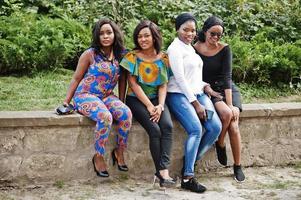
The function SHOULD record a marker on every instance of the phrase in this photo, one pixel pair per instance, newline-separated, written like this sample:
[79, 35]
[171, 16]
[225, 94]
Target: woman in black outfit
[217, 71]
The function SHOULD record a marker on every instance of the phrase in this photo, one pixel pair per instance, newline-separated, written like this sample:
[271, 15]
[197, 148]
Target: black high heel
[123, 168]
[99, 173]
[164, 182]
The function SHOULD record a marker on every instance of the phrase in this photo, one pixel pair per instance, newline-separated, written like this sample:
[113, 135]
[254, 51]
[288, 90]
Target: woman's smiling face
[214, 34]
[187, 32]
[145, 39]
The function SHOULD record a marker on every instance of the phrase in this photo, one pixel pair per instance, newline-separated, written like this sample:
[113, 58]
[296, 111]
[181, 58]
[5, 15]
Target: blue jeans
[197, 142]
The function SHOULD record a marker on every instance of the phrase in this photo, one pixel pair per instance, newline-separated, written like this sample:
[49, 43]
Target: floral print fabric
[100, 78]
[94, 98]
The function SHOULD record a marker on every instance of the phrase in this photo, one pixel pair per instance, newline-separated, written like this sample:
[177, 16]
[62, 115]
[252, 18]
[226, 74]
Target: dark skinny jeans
[160, 134]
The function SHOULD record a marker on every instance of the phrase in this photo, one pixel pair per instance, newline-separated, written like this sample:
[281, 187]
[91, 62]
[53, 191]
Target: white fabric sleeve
[177, 66]
[203, 83]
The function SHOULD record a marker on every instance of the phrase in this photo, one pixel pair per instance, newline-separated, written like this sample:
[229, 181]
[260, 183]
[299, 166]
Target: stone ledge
[41, 118]
[49, 118]
[38, 146]
[271, 110]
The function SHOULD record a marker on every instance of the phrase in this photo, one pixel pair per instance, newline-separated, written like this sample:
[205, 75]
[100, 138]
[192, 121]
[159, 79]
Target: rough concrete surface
[273, 183]
[46, 153]
[40, 146]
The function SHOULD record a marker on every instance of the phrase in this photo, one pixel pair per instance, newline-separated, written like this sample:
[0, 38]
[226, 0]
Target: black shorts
[236, 97]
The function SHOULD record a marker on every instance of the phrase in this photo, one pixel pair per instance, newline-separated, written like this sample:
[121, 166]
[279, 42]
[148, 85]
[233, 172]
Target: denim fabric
[197, 142]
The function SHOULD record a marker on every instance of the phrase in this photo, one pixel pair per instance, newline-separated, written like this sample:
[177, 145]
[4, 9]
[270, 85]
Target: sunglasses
[219, 35]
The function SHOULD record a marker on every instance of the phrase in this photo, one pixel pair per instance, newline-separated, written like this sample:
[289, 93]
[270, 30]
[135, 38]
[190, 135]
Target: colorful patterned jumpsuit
[95, 99]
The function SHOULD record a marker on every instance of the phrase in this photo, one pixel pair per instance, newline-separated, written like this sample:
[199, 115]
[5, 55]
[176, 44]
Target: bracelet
[162, 107]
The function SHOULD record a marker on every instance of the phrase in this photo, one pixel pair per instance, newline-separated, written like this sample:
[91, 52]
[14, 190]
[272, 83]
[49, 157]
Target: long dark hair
[156, 34]
[210, 21]
[118, 47]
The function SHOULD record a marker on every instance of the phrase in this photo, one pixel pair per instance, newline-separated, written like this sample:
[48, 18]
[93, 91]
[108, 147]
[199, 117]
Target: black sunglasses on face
[219, 35]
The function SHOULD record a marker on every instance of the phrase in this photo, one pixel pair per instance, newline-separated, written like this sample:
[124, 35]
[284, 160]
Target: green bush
[246, 17]
[242, 17]
[265, 36]
[263, 61]
[30, 43]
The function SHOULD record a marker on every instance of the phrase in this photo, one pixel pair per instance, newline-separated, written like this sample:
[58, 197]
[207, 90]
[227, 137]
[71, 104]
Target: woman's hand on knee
[235, 112]
[157, 114]
[151, 109]
[155, 118]
[154, 113]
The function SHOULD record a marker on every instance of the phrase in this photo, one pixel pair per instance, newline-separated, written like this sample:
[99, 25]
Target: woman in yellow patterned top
[148, 74]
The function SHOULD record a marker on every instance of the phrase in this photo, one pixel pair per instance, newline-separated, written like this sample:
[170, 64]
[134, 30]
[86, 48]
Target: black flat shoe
[123, 168]
[165, 182]
[193, 185]
[100, 173]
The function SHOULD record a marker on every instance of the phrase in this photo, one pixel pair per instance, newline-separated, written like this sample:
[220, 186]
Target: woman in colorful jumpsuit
[91, 88]
[188, 100]
[148, 73]
[217, 72]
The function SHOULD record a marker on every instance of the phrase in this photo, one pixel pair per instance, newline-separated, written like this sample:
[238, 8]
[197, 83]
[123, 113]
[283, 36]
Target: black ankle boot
[221, 154]
[238, 174]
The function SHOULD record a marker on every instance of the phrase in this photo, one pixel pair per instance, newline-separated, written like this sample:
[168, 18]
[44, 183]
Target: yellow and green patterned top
[149, 75]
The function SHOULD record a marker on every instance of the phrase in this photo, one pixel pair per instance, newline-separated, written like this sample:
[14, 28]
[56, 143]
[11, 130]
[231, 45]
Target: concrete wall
[40, 146]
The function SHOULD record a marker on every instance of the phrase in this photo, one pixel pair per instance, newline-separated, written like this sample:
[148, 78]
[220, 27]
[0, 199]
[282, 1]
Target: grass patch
[279, 185]
[218, 189]
[5, 197]
[298, 166]
[123, 177]
[59, 184]
[44, 91]
[268, 94]
[47, 90]
[272, 194]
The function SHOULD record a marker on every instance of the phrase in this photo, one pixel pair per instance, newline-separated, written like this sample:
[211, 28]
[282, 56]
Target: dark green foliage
[263, 61]
[29, 44]
[265, 35]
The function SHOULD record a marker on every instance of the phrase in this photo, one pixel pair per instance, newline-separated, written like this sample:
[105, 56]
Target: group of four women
[192, 82]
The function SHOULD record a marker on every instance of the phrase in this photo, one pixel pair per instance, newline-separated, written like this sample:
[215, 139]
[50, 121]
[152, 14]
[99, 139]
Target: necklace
[106, 57]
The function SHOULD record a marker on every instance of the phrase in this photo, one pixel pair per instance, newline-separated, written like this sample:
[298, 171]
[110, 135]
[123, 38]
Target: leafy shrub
[265, 36]
[263, 61]
[29, 43]
[246, 18]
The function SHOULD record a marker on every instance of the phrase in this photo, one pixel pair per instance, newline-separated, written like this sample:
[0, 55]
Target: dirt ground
[271, 183]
